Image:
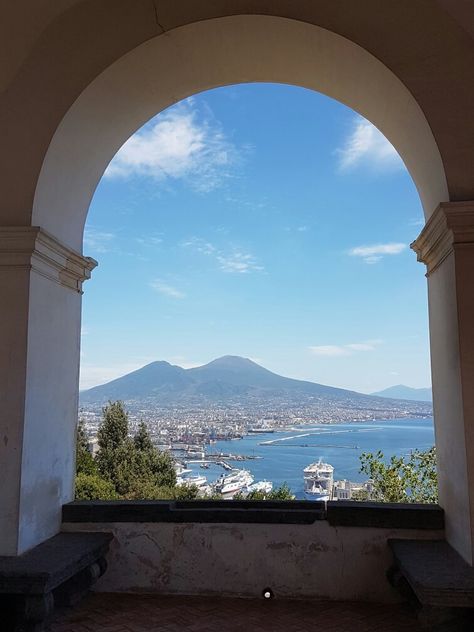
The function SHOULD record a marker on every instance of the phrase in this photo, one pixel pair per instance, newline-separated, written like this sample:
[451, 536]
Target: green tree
[113, 439]
[411, 479]
[85, 463]
[134, 466]
[142, 439]
[93, 487]
[148, 490]
[151, 462]
[280, 493]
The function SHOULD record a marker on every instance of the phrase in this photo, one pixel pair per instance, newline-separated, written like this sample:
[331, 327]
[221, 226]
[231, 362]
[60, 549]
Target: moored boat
[233, 483]
[260, 486]
[318, 481]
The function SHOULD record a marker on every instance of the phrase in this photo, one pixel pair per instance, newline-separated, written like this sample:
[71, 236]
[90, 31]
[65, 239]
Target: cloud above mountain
[181, 143]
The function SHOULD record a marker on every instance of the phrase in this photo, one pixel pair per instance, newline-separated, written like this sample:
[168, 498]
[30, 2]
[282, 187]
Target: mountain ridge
[228, 380]
[401, 391]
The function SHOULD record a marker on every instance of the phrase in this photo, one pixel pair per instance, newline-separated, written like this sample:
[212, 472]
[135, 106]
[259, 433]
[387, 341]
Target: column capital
[450, 227]
[32, 248]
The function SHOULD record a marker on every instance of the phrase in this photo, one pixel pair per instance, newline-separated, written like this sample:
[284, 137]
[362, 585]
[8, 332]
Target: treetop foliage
[129, 467]
[411, 479]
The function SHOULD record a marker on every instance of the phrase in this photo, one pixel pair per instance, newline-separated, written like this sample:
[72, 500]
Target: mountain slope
[230, 380]
[151, 380]
[400, 391]
[244, 372]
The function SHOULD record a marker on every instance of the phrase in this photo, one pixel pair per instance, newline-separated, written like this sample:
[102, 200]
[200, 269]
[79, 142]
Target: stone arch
[212, 53]
[43, 270]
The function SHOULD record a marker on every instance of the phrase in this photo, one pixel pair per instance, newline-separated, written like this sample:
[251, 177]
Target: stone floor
[134, 613]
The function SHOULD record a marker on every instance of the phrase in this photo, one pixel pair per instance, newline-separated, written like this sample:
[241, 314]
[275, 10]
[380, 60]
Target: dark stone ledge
[259, 512]
[348, 513]
[338, 513]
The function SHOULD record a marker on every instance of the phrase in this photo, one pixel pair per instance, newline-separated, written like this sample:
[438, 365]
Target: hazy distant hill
[406, 392]
[230, 380]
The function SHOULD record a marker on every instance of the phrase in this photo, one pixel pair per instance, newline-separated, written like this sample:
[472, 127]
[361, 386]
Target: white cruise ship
[318, 481]
[233, 483]
[198, 481]
[261, 486]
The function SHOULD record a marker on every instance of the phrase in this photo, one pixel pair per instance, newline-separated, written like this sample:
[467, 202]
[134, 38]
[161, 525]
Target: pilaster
[446, 247]
[40, 321]
[32, 248]
[450, 228]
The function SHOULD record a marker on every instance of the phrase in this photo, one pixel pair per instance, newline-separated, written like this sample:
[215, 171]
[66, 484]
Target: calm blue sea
[338, 444]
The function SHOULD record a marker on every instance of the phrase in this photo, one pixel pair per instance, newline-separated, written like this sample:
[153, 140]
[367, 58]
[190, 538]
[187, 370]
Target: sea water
[341, 445]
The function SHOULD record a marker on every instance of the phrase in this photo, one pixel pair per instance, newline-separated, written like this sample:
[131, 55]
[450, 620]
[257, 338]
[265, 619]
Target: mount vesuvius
[233, 381]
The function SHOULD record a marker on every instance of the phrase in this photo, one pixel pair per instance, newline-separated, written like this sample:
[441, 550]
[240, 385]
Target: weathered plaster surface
[296, 561]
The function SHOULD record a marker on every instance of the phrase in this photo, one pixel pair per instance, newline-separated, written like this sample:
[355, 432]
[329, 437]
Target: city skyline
[263, 221]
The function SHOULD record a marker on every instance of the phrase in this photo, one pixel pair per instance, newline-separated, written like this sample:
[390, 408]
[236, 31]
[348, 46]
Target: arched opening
[196, 236]
[162, 71]
[238, 49]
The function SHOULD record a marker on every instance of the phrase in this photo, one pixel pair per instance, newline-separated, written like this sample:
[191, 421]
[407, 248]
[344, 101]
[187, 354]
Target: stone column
[40, 319]
[446, 246]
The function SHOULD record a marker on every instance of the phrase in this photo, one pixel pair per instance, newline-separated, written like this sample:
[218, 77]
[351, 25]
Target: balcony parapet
[337, 513]
[384, 515]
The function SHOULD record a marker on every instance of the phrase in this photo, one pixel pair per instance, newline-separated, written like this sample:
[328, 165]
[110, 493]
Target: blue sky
[259, 220]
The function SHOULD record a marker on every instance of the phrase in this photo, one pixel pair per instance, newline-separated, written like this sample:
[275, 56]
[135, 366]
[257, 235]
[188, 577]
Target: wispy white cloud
[366, 145]
[97, 240]
[199, 245]
[335, 351]
[374, 253]
[149, 240]
[239, 262]
[329, 350]
[165, 288]
[235, 261]
[180, 143]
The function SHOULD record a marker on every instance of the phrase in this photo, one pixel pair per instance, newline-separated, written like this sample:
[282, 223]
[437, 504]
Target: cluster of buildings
[204, 425]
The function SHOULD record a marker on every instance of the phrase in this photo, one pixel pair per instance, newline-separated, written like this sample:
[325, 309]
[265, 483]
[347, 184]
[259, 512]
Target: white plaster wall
[454, 487]
[51, 404]
[296, 561]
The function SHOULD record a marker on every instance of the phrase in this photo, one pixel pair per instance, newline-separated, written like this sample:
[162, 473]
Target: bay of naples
[283, 455]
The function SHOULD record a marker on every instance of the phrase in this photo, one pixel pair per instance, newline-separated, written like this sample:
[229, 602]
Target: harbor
[287, 459]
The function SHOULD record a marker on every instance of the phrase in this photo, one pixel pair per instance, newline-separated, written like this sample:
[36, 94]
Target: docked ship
[233, 483]
[261, 486]
[199, 481]
[318, 481]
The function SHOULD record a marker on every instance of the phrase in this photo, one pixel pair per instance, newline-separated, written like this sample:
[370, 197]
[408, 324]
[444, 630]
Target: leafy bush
[85, 463]
[280, 493]
[131, 468]
[411, 479]
[93, 487]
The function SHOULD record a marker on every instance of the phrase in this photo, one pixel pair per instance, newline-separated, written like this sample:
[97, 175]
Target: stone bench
[435, 578]
[57, 572]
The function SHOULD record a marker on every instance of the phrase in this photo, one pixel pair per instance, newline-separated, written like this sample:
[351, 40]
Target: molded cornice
[31, 247]
[449, 228]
